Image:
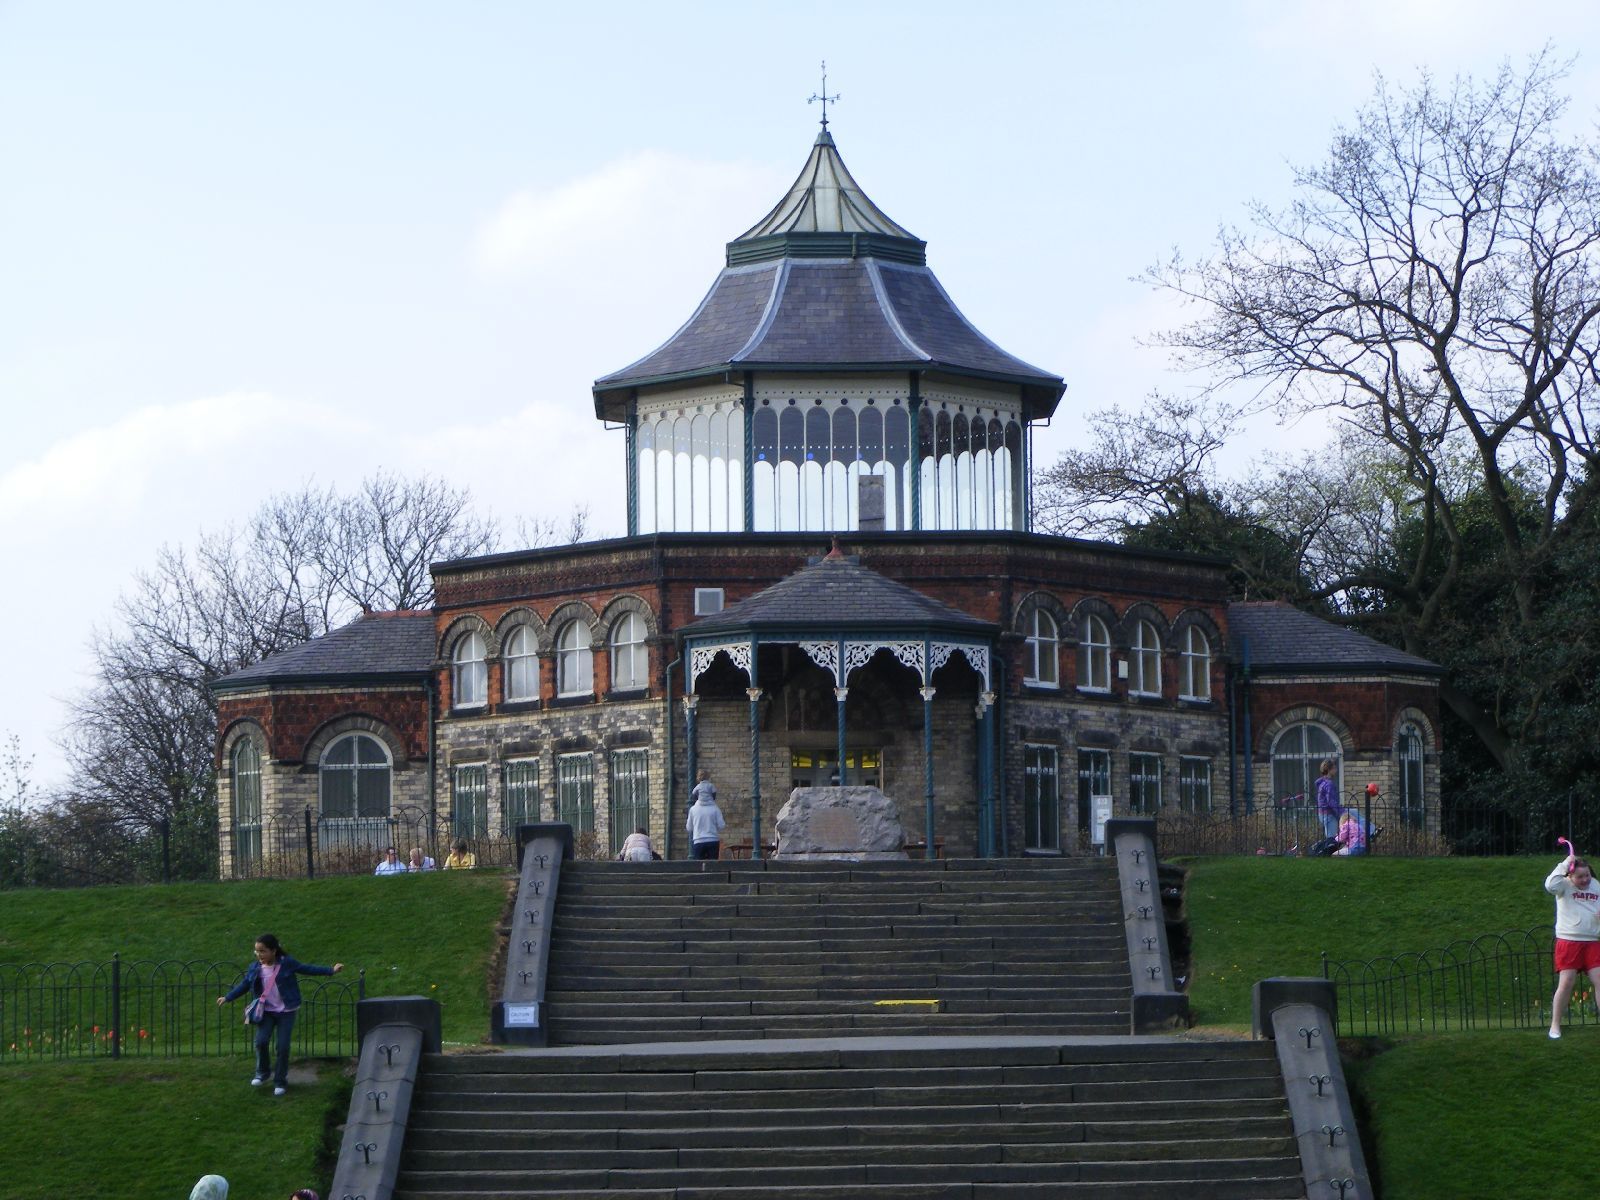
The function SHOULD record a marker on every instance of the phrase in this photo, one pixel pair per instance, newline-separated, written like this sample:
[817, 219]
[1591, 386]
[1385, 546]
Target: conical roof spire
[825, 199]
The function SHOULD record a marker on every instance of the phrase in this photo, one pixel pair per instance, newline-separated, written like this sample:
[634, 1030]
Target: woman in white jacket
[1577, 896]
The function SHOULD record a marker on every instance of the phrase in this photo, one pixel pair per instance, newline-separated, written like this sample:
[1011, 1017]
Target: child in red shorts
[1577, 895]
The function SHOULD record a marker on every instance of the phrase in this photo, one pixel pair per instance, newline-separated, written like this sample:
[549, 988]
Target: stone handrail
[519, 1015]
[1157, 1004]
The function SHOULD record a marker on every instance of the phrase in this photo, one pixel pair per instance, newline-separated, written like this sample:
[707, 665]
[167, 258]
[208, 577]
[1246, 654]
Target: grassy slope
[1255, 917]
[413, 935]
[1488, 1116]
[146, 1130]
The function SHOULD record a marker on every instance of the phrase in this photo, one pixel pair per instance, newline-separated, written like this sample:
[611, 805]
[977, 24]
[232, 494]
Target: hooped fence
[1495, 981]
[152, 1009]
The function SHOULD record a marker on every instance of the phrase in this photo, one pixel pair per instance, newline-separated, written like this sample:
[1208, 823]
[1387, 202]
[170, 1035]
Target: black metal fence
[1496, 981]
[154, 1009]
[1292, 826]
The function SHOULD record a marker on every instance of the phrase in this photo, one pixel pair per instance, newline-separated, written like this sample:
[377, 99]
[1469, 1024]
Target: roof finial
[824, 97]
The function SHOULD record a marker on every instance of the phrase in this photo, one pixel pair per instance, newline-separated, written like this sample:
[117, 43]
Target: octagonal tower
[827, 382]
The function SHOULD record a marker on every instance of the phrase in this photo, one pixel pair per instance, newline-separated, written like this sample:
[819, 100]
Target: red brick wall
[289, 717]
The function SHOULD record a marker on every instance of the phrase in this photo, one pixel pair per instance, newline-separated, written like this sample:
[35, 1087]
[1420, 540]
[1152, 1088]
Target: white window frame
[246, 802]
[630, 788]
[708, 600]
[628, 648]
[520, 657]
[1043, 666]
[386, 766]
[575, 659]
[1146, 659]
[1307, 763]
[1411, 768]
[469, 672]
[1194, 681]
[1094, 655]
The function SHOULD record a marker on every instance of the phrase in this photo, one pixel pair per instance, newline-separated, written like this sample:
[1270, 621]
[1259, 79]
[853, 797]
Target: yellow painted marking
[930, 1005]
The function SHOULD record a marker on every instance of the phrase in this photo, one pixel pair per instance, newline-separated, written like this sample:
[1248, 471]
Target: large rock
[854, 824]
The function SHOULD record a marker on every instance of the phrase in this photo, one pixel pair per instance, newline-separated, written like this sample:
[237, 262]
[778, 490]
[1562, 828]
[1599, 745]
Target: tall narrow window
[521, 659]
[1094, 656]
[630, 795]
[469, 817]
[1408, 749]
[1094, 795]
[519, 794]
[1041, 811]
[1194, 785]
[1144, 784]
[575, 791]
[469, 674]
[1146, 660]
[1195, 658]
[574, 661]
[629, 658]
[1042, 666]
[354, 778]
[246, 807]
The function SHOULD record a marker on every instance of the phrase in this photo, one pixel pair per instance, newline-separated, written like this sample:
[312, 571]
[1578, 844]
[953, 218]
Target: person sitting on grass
[418, 860]
[460, 858]
[390, 864]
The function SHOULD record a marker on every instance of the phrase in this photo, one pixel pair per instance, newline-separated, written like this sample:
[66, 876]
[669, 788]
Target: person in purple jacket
[272, 981]
[1328, 807]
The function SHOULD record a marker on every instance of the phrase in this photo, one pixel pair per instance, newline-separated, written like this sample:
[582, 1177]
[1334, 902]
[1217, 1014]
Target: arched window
[354, 778]
[1408, 749]
[1042, 666]
[1194, 681]
[1146, 660]
[1297, 755]
[469, 674]
[521, 659]
[1094, 655]
[246, 806]
[629, 658]
[574, 661]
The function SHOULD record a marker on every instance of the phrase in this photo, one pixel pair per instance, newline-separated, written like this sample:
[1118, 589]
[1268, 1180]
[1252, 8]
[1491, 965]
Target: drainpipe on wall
[1233, 741]
[433, 757]
[1249, 738]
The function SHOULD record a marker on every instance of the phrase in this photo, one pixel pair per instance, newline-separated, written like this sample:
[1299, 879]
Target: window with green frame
[575, 791]
[519, 794]
[1041, 808]
[469, 814]
[246, 805]
[1194, 784]
[1144, 784]
[630, 795]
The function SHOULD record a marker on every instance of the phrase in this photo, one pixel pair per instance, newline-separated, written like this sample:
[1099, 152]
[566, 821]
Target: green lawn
[1472, 1115]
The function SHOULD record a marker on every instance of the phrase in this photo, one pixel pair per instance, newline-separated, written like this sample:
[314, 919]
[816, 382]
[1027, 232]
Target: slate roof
[826, 281]
[1282, 638]
[389, 645]
[836, 595]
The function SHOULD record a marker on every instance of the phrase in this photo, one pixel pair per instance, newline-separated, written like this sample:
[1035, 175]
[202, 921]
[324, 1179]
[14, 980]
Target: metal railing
[145, 1008]
[1495, 981]
[1291, 825]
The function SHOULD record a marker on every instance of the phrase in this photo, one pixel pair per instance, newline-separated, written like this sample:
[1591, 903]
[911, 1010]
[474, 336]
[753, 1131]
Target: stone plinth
[852, 824]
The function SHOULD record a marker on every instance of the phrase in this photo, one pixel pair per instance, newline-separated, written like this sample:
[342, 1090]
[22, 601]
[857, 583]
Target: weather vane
[824, 97]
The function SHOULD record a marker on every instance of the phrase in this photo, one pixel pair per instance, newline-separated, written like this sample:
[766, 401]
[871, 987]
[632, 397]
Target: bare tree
[1437, 285]
[140, 741]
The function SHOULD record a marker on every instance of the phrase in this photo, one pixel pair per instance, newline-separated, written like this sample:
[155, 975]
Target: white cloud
[623, 206]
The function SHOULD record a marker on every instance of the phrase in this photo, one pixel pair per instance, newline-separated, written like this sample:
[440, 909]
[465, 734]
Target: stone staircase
[938, 1031]
[785, 950]
[930, 1119]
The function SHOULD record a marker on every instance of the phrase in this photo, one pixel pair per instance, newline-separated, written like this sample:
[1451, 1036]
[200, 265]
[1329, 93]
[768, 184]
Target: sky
[246, 247]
